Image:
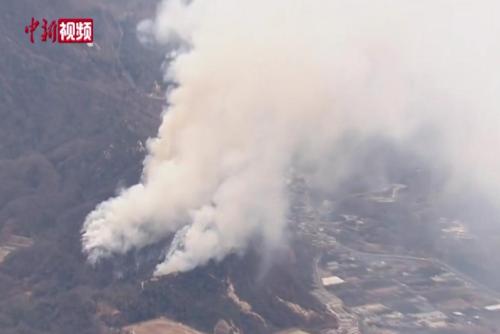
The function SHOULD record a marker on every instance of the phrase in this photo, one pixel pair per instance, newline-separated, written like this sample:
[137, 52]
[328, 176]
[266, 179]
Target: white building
[331, 280]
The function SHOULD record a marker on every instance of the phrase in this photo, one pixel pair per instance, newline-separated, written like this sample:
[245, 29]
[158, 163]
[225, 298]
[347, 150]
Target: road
[367, 256]
[348, 322]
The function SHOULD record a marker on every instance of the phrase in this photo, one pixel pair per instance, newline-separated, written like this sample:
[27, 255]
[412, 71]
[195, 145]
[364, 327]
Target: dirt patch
[159, 326]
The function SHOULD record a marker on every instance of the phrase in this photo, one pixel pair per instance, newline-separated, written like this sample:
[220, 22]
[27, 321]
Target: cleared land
[159, 326]
[13, 243]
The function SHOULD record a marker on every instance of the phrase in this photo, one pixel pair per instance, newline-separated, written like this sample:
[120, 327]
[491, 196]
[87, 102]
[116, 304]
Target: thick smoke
[261, 84]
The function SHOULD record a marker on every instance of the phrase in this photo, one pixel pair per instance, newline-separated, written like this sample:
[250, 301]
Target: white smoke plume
[262, 82]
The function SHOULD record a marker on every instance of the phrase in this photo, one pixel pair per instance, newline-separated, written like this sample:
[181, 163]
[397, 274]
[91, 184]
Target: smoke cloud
[261, 84]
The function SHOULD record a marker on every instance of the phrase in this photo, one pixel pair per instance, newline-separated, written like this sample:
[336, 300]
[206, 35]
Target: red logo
[76, 30]
[64, 30]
